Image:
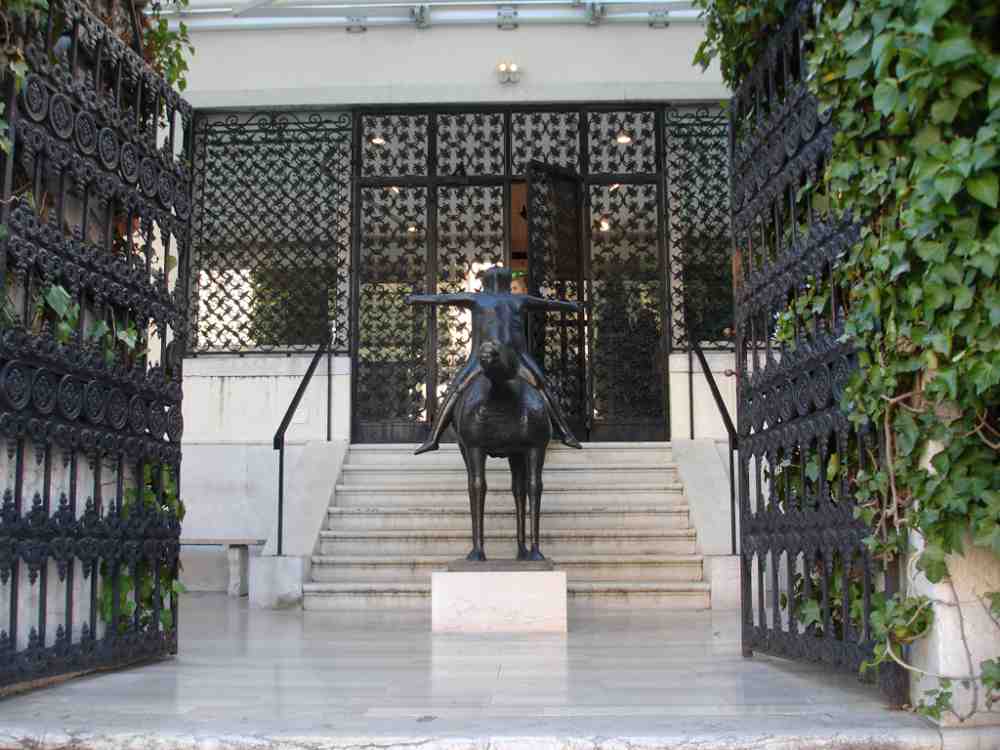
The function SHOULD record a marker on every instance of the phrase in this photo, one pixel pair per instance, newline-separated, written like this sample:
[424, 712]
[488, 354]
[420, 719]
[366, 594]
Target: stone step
[458, 496]
[456, 542]
[399, 454]
[585, 567]
[629, 595]
[603, 475]
[667, 515]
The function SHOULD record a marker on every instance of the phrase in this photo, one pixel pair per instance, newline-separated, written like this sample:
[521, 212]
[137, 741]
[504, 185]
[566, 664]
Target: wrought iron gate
[556, 270]
[807, 579]
[96, 198]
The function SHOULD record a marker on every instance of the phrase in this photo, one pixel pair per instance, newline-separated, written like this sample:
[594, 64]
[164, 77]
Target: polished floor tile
[245, 673]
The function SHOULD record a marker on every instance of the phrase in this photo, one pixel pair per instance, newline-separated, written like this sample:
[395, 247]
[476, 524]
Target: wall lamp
[508, 72]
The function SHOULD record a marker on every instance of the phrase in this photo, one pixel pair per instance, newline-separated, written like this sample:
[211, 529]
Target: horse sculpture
[499, 402]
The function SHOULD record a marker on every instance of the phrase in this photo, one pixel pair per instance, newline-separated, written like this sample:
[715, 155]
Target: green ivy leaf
[952, 50]
[944, 110]
[58, 299]
[935, 9]
[984, 188]
[886, 96]
[98, 330]
[856, 41]
[810, 613]
[947, 184]
[843, 19]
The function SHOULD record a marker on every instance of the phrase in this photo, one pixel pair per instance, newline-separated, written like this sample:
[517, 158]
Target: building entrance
[621, 208]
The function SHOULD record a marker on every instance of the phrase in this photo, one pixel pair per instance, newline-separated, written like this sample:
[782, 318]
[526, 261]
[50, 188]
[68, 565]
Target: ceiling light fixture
[623, 138]
[605, 225]
[377, 140]
[614, 187]
[412, 229]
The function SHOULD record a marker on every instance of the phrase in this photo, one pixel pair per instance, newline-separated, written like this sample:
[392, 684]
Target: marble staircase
[614, 517]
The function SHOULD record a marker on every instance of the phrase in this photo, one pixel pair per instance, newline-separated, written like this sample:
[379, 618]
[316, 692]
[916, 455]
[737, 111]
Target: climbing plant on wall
[914, 89]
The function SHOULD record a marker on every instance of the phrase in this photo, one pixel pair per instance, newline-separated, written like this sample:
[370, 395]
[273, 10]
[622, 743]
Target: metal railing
[730, 430]
[279, 435]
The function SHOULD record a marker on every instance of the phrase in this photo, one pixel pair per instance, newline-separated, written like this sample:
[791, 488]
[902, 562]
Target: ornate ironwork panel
[394, 145]
[272, 222]
[470, 239]
[550, 137]
[393, 377]
[696, 148]
[808, 581]
[556, 271]
[472, 144]
[96, 199]
[622, 142]
[627, 351]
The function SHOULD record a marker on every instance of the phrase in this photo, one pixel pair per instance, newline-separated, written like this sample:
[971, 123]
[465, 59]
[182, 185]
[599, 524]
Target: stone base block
[276, 582]
[499, 602]
[724, 575]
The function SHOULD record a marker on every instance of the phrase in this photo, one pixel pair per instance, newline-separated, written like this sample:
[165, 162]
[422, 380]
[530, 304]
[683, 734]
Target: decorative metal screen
[556, 271]
[627, 351]
[96, 197]
[295, 212]
[272, 228]
[696, 148]
[808, 580]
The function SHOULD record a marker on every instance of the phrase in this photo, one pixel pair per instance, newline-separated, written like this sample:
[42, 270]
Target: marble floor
[260, 679]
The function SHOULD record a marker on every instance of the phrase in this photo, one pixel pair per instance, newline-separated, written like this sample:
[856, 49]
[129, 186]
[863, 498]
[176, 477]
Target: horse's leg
[475, 466]
[534, 460]
[518, 486]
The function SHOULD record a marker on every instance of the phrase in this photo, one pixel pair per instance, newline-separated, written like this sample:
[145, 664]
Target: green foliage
[735, 33]
[67, 320]
[166, 50]
[897, 622]
[140, 590]
[913, 87]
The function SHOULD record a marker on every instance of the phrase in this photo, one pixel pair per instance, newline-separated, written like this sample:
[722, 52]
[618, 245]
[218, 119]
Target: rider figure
[496, 314]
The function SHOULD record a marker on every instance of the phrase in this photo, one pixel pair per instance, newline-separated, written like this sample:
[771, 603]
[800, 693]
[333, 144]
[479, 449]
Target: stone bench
[238, 555]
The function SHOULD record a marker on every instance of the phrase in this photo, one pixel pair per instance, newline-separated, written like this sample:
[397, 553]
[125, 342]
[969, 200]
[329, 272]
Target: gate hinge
[596, 12]
[506, 18]
[659, 19]
[356, 25]
[421, 15]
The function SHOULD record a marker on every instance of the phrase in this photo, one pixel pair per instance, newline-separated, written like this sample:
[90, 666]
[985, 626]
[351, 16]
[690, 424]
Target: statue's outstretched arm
[461, 300]
[538, 303]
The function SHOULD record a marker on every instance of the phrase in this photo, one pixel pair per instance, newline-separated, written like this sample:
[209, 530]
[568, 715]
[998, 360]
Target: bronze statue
[499, 402]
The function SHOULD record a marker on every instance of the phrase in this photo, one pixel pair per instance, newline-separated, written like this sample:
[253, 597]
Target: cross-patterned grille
[270, 266]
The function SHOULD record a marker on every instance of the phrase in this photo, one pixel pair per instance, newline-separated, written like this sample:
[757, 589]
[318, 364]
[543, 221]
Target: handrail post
[281, 493]
[279, 435]
[730, 431]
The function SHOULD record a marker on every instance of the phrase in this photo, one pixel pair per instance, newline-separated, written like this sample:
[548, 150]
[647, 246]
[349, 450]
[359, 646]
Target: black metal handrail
[279, 436]
[730, 430]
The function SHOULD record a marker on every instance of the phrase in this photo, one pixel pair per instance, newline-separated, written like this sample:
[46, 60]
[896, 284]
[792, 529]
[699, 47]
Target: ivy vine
[914, 88]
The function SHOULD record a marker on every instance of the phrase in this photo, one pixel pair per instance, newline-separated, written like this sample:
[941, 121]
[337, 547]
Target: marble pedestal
[498, 597]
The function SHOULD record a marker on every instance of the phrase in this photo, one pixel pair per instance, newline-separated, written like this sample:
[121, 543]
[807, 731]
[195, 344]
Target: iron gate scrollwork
[96, 200]
[808, 581]
[556, 271]
[272, 225]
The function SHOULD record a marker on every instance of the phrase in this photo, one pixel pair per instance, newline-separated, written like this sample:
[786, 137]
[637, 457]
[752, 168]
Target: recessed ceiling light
[623, 138]
[412, 229]
[377, 140]
[605, 225]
